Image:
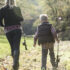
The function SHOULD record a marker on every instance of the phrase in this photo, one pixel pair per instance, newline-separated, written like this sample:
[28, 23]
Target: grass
[31, 59]
[5, 47]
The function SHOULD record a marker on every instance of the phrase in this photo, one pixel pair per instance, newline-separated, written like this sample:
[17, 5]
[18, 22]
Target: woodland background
[58, 12]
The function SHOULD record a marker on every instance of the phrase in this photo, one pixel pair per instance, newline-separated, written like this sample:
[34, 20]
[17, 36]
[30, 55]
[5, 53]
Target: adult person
[12, 26]
[46, 36]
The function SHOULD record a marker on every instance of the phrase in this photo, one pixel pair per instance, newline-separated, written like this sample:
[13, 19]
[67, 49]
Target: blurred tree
[56, 9]
[30, 11]
[29, 8]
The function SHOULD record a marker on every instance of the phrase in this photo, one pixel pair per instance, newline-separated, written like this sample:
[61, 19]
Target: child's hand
[58, 41]
[34, 45]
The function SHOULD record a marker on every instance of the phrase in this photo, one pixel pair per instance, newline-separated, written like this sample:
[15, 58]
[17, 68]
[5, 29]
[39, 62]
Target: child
[46, 36]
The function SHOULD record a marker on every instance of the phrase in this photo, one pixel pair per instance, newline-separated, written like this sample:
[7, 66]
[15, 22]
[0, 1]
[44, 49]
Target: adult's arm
[1, 17]
[18, 13]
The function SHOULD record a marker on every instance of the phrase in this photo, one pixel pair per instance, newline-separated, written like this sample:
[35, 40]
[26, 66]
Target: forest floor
[31, 59]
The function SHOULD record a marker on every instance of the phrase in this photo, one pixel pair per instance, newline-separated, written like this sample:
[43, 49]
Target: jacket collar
[45, 23]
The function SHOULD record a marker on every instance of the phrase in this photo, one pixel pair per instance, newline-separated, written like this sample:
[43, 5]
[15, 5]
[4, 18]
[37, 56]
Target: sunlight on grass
[31, 59]
[5, 47]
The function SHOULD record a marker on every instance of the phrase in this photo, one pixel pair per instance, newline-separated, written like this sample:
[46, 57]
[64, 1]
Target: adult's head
[10, 2]
[43, 18]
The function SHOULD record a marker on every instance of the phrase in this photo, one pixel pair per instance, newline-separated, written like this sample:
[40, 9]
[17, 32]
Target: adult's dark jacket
[11, 16]
[44, 33]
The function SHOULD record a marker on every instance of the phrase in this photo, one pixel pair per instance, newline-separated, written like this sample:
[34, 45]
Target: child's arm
[54, 34]
[35, 37]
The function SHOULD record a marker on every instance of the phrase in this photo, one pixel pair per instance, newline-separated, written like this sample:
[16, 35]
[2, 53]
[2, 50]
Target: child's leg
[44, 58]
[52, 56]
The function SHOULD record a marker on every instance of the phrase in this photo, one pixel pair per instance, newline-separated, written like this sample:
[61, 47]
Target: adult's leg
[44, 57]
[10, 39]
[14, 40]
[16, 44]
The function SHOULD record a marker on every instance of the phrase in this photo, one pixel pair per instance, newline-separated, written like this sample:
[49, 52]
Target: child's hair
[43, 17]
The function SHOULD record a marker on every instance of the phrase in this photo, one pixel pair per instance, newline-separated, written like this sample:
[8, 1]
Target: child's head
[43, 18]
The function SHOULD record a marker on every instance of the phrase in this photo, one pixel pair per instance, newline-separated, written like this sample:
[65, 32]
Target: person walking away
[46, 36]
[12, 26]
